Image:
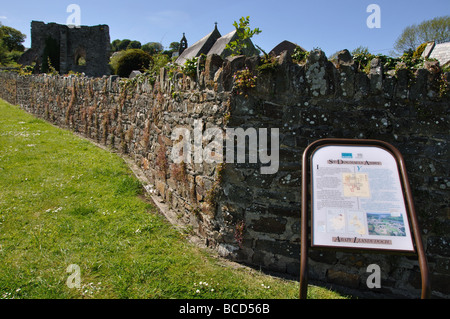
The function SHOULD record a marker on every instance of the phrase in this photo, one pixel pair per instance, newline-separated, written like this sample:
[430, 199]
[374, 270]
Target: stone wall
[245, 215]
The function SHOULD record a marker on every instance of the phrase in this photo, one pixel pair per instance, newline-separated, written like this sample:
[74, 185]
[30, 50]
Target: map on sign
[358, 199]
[355, 185]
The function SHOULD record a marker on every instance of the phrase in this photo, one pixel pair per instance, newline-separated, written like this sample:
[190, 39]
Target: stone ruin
[81, 49]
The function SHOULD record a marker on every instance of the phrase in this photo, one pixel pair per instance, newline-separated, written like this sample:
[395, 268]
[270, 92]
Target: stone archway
[80, 57]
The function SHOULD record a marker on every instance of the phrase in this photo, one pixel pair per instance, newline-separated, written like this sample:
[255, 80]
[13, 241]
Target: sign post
[360, 199]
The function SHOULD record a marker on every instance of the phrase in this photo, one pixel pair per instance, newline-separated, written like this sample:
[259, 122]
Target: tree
[3, 49]
[115, 45]
[11, 47]
[123, 45]
[174, 46]
[153, 47]
[12, 38]
[3, 54]
[244, 34]
[134, 45]
[437, 29]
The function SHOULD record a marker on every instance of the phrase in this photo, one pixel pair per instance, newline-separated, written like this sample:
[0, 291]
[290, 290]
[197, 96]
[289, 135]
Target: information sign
[357, 199]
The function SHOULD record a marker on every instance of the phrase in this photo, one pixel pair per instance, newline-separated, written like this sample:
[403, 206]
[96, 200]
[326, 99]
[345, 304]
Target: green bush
[419, 50]
[133, 59]
[114, 60]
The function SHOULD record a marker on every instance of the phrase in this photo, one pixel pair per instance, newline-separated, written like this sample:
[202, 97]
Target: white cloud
[3, 18]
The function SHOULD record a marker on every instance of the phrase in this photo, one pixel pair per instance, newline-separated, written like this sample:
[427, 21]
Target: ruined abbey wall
[71, 45]
[251, 217]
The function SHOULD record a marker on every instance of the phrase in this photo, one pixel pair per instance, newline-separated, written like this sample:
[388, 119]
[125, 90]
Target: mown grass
[64, 201]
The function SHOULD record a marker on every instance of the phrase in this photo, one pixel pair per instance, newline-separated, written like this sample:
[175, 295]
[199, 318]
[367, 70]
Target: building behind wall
[79, 49]
[214, 43]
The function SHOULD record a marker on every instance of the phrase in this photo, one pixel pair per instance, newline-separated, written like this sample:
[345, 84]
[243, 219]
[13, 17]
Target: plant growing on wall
[51, 57]
[268, 62]
[410, 60]
[190, 67]
[244, 33]
[50, 69]
[27, 69]
[239, 233]
[161, 159]
[299, 56]
[244, 80]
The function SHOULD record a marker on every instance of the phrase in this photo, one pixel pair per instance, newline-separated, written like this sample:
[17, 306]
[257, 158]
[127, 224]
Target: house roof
[201, 46]
[221, 43]
[285, 46]
[214, 43]
[438, 51]
[219, 47]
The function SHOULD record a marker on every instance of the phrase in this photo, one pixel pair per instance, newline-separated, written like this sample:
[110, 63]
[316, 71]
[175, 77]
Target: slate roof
[201, 46]
[219, 46]
[221, 43]
[440, 52]
[284, 46]
[214, 43]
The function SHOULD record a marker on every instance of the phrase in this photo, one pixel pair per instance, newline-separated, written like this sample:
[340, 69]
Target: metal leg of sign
[304, 227]
[304, 255]
[423, 264]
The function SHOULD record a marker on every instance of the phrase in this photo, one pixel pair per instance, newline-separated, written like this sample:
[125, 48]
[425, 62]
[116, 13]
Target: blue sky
[329, 25]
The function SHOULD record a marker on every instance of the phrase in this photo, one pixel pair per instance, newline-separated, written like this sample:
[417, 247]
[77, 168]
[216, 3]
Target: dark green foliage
[152, 47]
[120, 45]
[134, 45]
[299, 55]
[3, 54]
[11, 47]
[133, 59]
[12, 38]
[408, 60]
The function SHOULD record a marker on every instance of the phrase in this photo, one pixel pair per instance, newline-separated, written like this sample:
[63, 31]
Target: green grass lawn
[64, 201]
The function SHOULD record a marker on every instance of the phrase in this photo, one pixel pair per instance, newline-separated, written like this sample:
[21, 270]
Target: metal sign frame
[307, 199]
[357, 199]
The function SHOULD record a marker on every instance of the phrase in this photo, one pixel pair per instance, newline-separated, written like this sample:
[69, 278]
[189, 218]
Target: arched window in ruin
[81, 61]
[80, 57]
